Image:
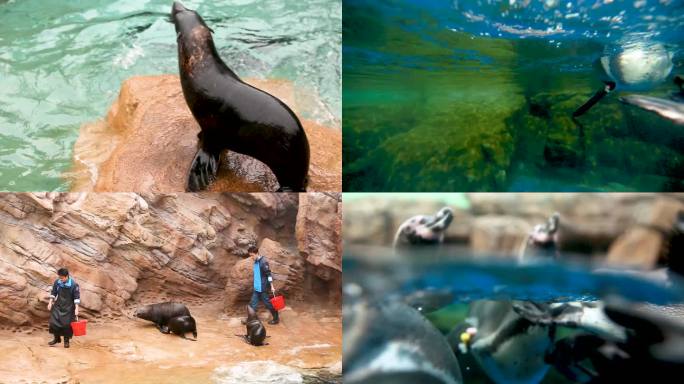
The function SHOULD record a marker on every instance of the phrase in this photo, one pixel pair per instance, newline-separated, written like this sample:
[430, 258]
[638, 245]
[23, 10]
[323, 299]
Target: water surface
[62, 64]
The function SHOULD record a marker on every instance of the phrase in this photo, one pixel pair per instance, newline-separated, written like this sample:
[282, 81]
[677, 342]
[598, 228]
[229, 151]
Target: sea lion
[256, 332]
[232, 114]
[423, 229]
[161, 313]
[180, 325]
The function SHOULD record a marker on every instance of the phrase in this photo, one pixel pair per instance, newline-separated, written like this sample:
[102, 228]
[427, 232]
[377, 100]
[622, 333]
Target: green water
[62, 63]
[429, 104]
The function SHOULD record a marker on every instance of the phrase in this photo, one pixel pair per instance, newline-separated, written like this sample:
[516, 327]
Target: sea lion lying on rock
[160, 314]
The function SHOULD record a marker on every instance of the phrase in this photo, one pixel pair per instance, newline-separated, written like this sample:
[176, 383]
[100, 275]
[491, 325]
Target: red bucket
[79, 327]
[278, 302]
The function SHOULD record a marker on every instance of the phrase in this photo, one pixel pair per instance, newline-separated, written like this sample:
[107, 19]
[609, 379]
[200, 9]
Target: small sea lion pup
[160, 314]
[232, 114]
[180, 325]
[424, 230]
[256, 332]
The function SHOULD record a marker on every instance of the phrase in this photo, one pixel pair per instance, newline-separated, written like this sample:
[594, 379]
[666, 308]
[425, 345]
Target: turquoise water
[62, 63]
[443, 95]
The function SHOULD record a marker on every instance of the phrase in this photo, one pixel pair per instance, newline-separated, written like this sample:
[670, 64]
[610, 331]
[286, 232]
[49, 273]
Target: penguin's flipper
[600, 94]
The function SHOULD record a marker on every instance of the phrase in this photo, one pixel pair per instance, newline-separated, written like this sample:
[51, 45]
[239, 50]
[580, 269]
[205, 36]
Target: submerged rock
[149, 138]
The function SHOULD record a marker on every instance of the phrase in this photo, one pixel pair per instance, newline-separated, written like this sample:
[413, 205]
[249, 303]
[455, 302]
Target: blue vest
[257, 275]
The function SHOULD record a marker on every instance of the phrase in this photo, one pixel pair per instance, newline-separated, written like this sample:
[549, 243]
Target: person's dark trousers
[267, 302]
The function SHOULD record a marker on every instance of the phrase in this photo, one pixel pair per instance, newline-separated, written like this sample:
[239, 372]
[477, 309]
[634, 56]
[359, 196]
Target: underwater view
[62, 64]
[518, 95]
[513, 288]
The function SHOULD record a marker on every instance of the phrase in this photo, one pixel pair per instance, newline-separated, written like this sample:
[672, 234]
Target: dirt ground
[307, 342]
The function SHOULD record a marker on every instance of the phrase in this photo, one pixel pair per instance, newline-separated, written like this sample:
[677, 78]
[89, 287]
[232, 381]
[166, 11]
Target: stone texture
[498, 234]
[318, 215]
[149, 139]
[644, 244]
[126, 248]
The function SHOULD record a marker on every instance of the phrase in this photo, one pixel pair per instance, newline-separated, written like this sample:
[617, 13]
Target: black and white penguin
[423, 229]
[391, 343]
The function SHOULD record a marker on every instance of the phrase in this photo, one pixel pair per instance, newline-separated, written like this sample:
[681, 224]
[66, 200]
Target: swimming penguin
[391, 343]
[511, 340]
[668, 109]
[423, 229]
[631, 66]
[652, 347]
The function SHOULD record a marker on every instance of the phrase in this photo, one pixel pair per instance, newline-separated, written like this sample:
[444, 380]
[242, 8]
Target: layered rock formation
[149, 139]
[124, 248]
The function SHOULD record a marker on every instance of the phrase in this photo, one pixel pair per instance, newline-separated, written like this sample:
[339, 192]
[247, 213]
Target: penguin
[630, 66]
[423, 229]
[391, 343]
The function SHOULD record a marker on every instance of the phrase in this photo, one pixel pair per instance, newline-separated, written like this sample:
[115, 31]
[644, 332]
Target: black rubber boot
[66, 342]
[54, 341]
[275, 319]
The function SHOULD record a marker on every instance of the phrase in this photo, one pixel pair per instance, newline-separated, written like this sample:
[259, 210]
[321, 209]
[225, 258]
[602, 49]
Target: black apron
[63, 313]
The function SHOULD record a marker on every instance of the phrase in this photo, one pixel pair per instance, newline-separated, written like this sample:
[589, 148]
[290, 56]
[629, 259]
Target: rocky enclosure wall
[119, 246]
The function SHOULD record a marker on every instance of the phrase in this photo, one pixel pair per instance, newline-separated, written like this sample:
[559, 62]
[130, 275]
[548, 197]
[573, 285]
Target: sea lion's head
[251, 314]
[144, 312]
[193, 36]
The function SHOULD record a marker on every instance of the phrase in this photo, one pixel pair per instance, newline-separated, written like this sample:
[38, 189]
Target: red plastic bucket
[278, 302]
[79, 327]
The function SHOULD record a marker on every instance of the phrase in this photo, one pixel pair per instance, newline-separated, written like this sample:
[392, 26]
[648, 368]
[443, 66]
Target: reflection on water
[62, 63]
[478, 95]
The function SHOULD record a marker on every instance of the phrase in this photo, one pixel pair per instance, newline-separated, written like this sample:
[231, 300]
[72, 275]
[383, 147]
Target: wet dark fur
[232, 114]
[256, 332]
[161, 313]
[180, 325]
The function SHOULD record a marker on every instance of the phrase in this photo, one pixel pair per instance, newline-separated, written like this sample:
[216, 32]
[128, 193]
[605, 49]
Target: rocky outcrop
[149, 139]
[124, 248]
[498, 234]
[644, 244]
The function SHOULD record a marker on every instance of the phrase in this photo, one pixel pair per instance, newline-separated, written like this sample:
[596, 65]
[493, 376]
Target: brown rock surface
[644, 243]
[498, 234]
[125, 248]
[127, 350]
[149, 139]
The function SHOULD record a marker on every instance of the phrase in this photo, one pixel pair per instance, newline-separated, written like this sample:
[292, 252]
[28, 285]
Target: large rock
[149, 139]
[287, 269]
[644, 244]
[125, 248]
[319, 232]
[498, 235]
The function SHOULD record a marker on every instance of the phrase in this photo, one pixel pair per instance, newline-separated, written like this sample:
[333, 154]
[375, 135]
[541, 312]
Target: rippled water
[469, 277]
[478, 95]
[62, 63]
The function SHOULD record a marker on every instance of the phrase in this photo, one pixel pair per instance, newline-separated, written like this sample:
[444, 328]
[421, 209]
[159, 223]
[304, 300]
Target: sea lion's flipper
[203, 170]
[163, 329]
